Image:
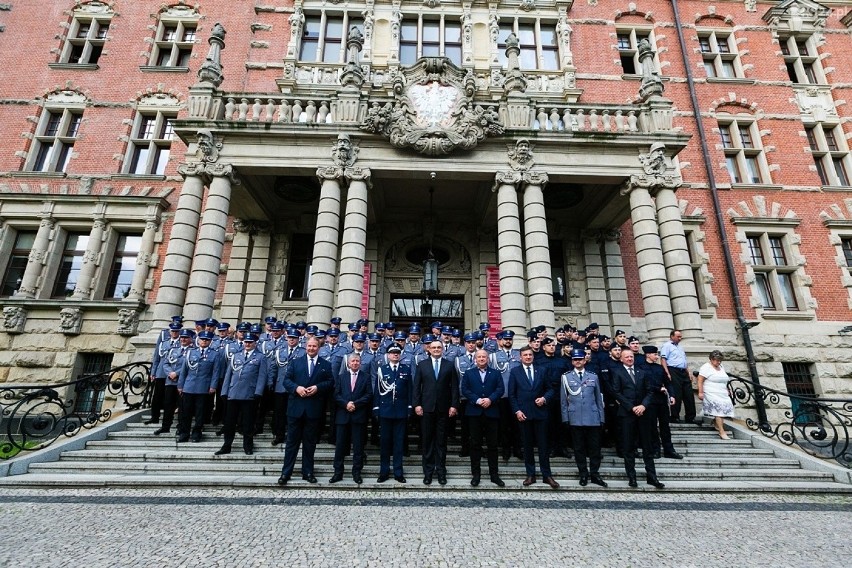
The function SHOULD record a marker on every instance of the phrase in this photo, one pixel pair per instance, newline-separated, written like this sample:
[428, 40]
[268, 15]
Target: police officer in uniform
[198, 379]
[661, 402]
[245, 381]
[582, 408]
[158, 374]
[392, 404]
[172, 367]
[278, 362]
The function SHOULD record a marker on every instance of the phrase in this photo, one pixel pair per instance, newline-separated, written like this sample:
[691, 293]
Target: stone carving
[128, 321]
[515, 81]
[431, 3]
[655, 167]
[297, 21]
[14, 318]
[208, 145]
[94, 7]
[433, 112]
[527, 5]
[654, 162]
[652, 83]
[211, 69]
[70, 320]
[343, 153]
[521, 156]
[352, 74]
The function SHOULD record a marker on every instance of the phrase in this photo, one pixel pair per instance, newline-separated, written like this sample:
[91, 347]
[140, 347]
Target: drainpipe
[742, 324]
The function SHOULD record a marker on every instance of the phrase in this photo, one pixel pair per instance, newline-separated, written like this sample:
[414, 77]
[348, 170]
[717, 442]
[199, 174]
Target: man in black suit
[482, 386]
[306, 380]
[530, 392]
[353, 396]
[634, 396]
[435, 400]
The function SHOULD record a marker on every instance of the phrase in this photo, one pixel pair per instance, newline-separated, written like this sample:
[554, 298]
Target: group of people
[578, 390]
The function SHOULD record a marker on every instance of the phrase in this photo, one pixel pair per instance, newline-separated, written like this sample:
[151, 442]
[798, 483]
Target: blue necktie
[310, 366]
[529, 374]
[437, 367]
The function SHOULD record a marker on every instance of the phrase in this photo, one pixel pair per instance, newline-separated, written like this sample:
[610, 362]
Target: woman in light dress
[713, 392]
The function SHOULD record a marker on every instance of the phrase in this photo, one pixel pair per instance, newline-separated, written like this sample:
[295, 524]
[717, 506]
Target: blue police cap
[380, 326]
[333, 332]
[374, 337]
[428, 338]
[250, 337]
[399, 335]
[243, 326]
[320, 333]
[175, 326]
[359, 337]
[578, 354]
[301, 324]
[335, 321]
[484, 326]
[278, 326]
[390, 325]
[206, 335]
[178, 319]
[200, 323]
[185, 333]
[255, 328]
[211, 322]
[414, 329]
[270, 319]
[223, 325]
[292, 332]
[354, 326]
[469, 337]
[437, 324]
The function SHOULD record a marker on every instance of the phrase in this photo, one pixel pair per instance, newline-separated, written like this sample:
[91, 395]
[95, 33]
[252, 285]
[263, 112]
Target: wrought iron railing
[32, 417]
[819, 426]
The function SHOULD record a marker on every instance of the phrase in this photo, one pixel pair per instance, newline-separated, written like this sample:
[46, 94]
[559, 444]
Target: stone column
[596, 286]
[38, 256]
[350, 289]
[510, 254]
[616, 283]
[258, 272]
[539, 275]
[176, 267]
[207, 259]
[684, 302]
[324, 263]
[649, 256]
[83, 289]
[143, 260]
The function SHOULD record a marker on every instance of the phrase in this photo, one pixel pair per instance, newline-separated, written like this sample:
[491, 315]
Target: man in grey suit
[583, 409]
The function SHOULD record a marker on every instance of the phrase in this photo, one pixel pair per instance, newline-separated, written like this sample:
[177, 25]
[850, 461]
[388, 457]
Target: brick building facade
[154, 163]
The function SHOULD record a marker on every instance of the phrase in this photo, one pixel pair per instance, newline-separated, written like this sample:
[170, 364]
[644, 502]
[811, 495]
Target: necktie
[529, 374]
[354, 378]
[436, 363]
[310, 366]
[203, 354]
[393, 368]
[632, 376]
[580, 374]
[470, 359]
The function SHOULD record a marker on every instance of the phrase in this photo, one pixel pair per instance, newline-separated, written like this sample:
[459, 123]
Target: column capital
[359, 174]
[506, 177]
[190, 169]
[535, 178]
[222, 170]
[330, 173]
[650, 183]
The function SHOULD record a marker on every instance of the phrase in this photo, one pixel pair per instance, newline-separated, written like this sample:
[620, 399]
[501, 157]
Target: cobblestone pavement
[236, 528]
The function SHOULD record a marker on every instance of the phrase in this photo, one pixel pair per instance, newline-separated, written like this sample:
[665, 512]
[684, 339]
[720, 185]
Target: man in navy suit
[392, 404]
[353, 397]
[530, 392]
[435, 400]
[634, 395]
[482, 386]
[306, 380]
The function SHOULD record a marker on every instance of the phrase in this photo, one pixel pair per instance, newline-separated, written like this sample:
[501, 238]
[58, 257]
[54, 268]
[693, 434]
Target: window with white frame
[150, 142]
[831, 156]
[173, 42]
[123, 266]
[627, 40]
[71, 264]
[846, 248]
[324, 36]
[774, 275]
[17, 261]
[423, 37]
[800, 57]
[56, 133]
[744, 157]
[85, 42]
[719, 52]
[537, 41]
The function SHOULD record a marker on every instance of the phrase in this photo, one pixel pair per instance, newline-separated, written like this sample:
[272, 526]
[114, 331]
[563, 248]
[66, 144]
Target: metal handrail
[33, 417]
[820, 426]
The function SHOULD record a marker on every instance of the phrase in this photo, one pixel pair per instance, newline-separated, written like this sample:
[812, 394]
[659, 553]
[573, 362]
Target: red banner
[492, 287]
[365, 293]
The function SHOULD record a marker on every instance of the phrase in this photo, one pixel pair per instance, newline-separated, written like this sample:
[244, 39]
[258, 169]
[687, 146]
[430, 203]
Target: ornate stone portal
[434, 111]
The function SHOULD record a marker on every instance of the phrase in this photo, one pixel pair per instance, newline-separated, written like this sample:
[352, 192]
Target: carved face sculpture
[206, 143]
[657, 158]
[11, 317]
[342, 150]
[126, 317]
[68, 318]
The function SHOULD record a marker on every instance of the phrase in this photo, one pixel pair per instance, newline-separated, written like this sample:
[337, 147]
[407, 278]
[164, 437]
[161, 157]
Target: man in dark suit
[435, 400]
[634, 396]
[392, 387]
[306, 380]
[482, 386]
[530, 392]
[353, 398]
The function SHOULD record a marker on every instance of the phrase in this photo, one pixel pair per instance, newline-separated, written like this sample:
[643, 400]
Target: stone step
[414, 484]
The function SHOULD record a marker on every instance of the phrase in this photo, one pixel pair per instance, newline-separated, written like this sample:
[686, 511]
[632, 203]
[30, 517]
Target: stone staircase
[135, 457]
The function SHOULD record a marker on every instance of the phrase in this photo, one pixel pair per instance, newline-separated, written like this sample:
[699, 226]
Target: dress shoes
[182, 439]
[427, 480]
[631, 481]
[222, 451]
[464, 454]
[220, 431]
[673, 455]
[382, 478]
[336, 477]
[475, 481]
[195, 439]
[283, 480]
[356, 477]
[159, 431]
[276, 441]
[151, 421]
[310, 478]
[598, 480]
[529, 481]
[656, 455]
[652, 480]
[442, 479]
[248, 452]
[552, 482]
[497, 481]
[400, 478]
[584, 480]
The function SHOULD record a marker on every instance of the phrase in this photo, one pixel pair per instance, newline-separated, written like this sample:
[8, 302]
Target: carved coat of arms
[433, 112]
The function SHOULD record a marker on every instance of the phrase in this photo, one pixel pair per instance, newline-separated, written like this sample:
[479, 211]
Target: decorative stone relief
[70, 320]
[527, 5]
[655, 167]
[211, 70]
[128, 321]
[433, 112]
[521, 155]
[208, 146]
[14, 318]
[93, 7]
[816, 101]
[343, 153]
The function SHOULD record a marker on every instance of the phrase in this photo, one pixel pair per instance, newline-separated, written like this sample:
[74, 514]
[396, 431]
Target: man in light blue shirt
[675, 365]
